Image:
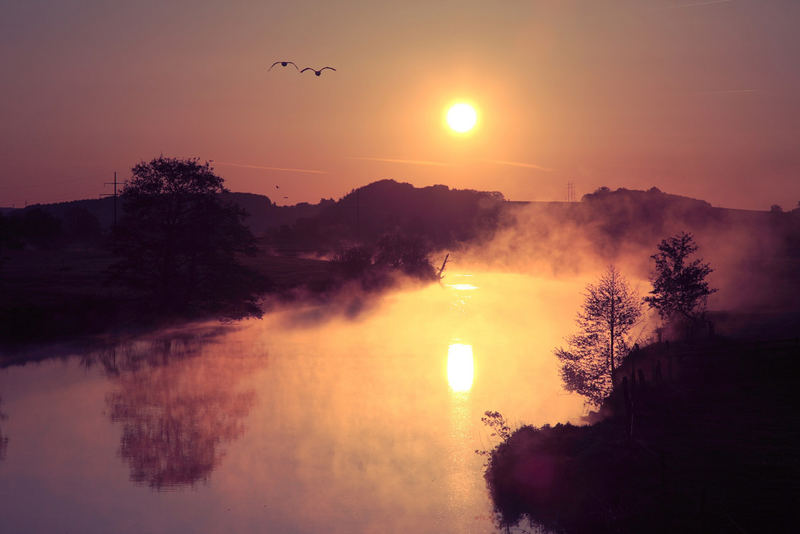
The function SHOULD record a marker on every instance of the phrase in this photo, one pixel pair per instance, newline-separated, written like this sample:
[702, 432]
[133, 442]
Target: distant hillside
[440, 215]
[263, 214]
[103, 208]
[608, 224]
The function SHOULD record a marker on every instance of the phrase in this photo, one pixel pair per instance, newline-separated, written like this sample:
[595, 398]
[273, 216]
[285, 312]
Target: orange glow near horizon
[460, 367]
[558, 96]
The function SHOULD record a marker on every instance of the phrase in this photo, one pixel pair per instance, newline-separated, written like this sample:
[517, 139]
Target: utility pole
[114, 194]
[570, 192]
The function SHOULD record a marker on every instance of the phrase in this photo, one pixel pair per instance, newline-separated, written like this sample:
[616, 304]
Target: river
[360, 418]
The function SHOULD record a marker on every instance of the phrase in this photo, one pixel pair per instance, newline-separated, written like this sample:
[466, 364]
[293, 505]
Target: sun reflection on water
[462, 287]
[460, 367]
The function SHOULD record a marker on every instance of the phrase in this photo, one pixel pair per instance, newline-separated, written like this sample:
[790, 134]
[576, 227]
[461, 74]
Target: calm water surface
[363, 419]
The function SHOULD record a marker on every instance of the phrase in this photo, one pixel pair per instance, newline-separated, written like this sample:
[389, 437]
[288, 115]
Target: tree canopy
[679, 285]
[610, 311]
[179, 242]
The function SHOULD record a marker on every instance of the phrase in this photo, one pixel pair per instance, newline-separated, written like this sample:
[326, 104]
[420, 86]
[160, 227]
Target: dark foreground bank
[707, 442]
[65, 295]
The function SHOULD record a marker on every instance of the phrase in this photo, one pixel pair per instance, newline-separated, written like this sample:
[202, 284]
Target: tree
[610, 311]
[679, 285]
[408, 254]
[179, 242]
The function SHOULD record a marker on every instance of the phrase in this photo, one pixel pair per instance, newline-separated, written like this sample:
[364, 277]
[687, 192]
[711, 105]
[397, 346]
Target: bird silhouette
[317, 72]
[283, 64]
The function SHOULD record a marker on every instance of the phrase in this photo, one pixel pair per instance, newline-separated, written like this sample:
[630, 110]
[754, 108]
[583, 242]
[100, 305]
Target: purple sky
[700, 98]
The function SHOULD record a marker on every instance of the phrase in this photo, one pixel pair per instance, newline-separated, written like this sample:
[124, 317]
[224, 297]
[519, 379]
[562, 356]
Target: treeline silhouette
[54, 258]
[42, 228]
[441, 216]
[606, 223]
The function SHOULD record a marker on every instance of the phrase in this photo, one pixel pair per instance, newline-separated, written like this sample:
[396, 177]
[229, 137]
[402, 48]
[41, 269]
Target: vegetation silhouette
[376, 267]
[53, 291]
[610, 311]
[34, 227]
[179, 243]
[713, 449]
[441, 216]
[679, 285]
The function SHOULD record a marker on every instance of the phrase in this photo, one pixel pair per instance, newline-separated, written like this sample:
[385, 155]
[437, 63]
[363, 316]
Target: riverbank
[65, 295]
[62, 295]
[707, 442]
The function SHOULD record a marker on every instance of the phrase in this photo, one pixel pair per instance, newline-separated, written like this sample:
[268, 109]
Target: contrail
[407, 161]
[521, 164]
[697, 4]
[279, 169]
[727, 91]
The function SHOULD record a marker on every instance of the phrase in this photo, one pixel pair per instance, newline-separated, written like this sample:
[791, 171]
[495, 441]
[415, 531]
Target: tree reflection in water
[179, 404]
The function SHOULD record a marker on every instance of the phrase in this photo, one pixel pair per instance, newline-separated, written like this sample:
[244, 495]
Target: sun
[462, 117]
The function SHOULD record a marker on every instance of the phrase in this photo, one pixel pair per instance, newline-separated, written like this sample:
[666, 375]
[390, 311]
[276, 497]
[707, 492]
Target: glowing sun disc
[461, 117]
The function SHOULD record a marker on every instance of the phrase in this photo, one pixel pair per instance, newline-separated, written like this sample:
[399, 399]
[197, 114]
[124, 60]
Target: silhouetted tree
[679, 285]
[408, 254]
[609, 312]
[179, 241]
[353, 262]
[393, 253]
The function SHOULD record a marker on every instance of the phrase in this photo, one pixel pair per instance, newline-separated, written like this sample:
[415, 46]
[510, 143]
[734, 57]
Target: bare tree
[679, 285]
[610, 311]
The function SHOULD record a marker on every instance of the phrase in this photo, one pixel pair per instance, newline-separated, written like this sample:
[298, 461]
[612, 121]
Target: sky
[697, 97]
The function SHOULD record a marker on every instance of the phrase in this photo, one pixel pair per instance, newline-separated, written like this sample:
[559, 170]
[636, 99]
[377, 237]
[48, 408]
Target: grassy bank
[708, 442]
[63, 294]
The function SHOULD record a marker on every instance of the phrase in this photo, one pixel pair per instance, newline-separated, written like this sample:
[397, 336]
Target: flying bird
[317, 72]
[283, 64]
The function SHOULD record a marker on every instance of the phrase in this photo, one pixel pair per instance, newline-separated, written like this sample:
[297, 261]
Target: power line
[571, 197]
[114, 194]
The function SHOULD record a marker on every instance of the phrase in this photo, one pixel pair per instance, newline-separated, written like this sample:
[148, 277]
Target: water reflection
[460, 367]
[353, 426]
[178, 407]
[462, 287]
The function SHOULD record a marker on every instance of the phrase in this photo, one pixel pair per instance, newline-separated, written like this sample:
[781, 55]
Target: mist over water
[344, 423]
[754, 255]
